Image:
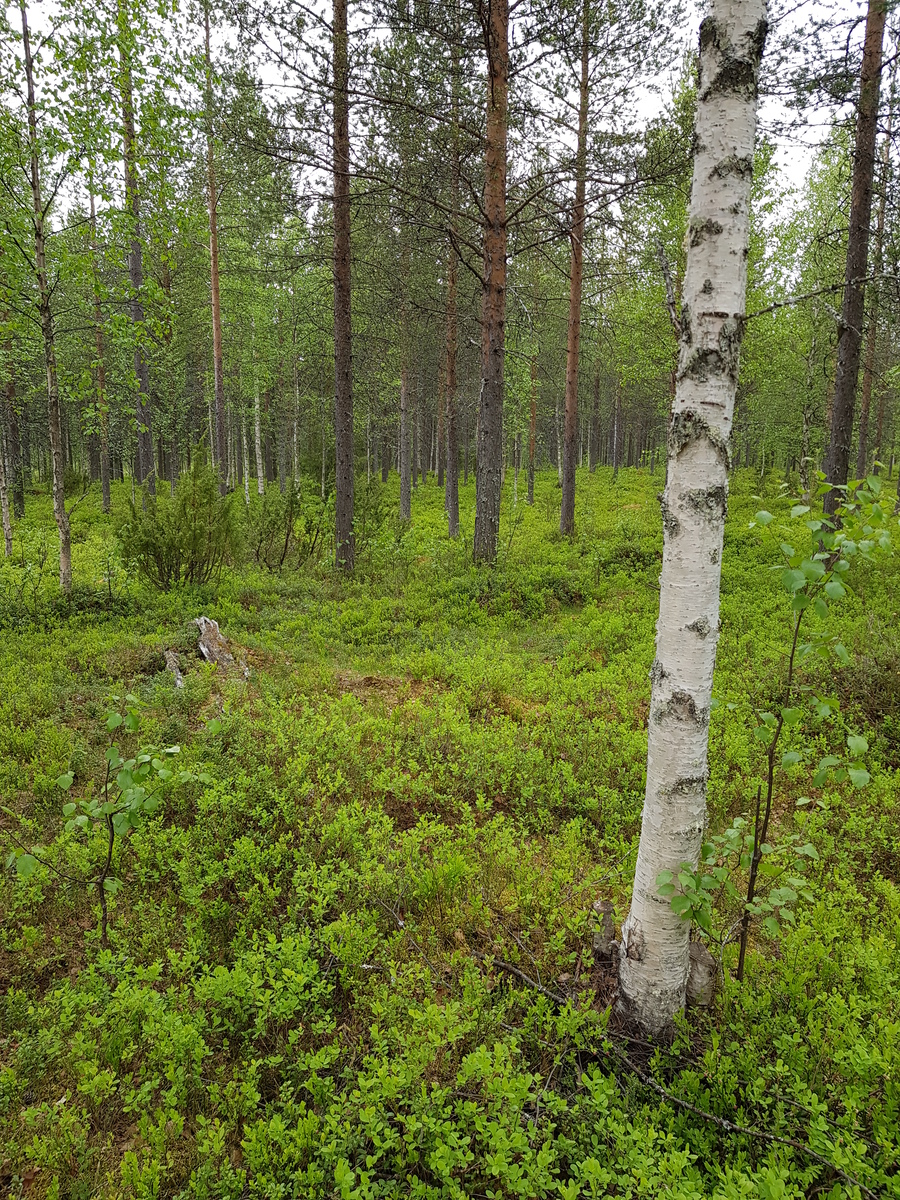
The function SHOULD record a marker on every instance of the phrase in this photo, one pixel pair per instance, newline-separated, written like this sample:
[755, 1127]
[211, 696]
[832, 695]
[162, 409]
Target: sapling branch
[760, 834]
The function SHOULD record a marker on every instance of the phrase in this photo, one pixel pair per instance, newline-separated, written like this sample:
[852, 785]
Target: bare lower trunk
[872, 338]
[654, 954]
[532, 429]
[451, 485]
[245, 458]
[345, 548]
[559, 446]
[146, 471]
[212, 202]
[405, 448]
[489, 445]
[4, 504]
[54, 414]
[853, 308]
[102, 407]
[257, 430]
[567, 506]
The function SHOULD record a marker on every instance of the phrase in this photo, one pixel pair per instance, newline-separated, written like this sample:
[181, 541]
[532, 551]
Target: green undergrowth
[425, 771]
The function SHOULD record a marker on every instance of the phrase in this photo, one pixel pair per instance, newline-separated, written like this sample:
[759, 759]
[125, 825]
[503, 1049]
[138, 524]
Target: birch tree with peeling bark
[654, 953]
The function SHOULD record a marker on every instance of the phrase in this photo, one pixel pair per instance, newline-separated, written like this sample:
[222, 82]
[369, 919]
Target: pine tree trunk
[567, 507]
[145, 468]
[4, 500]
[257, 430]
[594, 435]
[212, 203]
[872, 339]
[489, 438]
[451, 485]
[532, 429]
[654, 955]
[345, 550]
[853, 308]
[54, 413]
[405, 448]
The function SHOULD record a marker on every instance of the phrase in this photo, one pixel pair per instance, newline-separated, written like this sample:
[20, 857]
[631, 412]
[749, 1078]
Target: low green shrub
[186, 538]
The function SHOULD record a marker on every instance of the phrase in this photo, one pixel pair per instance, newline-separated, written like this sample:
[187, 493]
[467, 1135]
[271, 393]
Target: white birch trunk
[245, 458]
[257, 436]
[654, 962]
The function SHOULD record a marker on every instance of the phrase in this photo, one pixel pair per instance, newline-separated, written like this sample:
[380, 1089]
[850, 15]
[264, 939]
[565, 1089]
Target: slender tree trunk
[594, 436]
[257, 428]
[4, 500]
[440, 447]
[654, 955]
[245, 456]
[345, 550]
[405, 455]
[213, 201]
[451, 485]
[54, 414]
[145, 467]
[102, 407]
[871, 344]
[567, 507]
[14, 459]
[420, 459]
[532, 429]
[489, 440]
[853, 309]
[559, 446]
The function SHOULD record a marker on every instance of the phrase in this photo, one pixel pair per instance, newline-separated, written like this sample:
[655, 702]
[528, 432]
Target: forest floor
[425, 777]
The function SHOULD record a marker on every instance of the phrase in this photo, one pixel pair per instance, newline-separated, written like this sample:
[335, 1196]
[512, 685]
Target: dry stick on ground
[651, 1083]
[731, 1127]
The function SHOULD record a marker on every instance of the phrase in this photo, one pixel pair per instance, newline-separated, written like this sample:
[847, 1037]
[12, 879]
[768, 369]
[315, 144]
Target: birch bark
[654, 955]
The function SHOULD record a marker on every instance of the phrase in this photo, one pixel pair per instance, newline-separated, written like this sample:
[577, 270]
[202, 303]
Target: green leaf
[793, 580]
[770, 924]
[857, 744]
[26, 865]
[859, 776]
[787, 551]
[803, 800]
[214, 726]
[840, 651]
[65, 781]
[790, 758]
[812, 568]
[791, 716]
[764, 518]
[114, 720]
[820, 607]
[69, 809]
[799, 510]
[834, 589]
[665, 877]
[681, 906]
[873, 482]
[111, 885]
[132, 721]
[808, 850]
